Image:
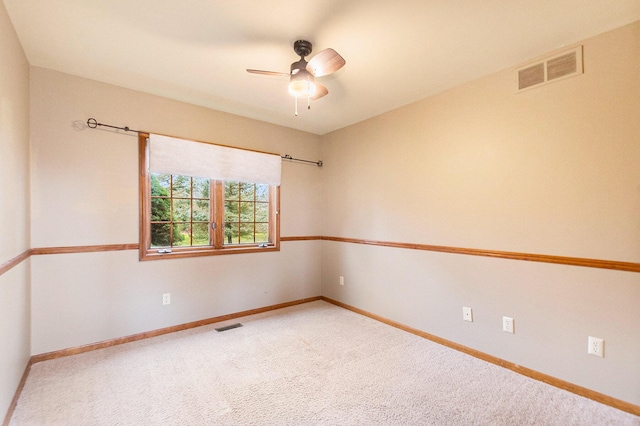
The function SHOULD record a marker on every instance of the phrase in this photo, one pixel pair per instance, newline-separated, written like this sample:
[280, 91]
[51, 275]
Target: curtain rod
[288, 157]
[92, 123]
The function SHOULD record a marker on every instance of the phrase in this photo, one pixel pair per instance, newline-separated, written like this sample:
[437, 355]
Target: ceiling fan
[302, 78]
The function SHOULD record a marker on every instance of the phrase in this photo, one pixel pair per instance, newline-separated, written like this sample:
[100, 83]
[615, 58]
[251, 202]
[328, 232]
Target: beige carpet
[312, 364]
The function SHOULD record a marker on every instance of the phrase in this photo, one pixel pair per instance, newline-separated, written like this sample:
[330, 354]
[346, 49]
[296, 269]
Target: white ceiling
[397, 52]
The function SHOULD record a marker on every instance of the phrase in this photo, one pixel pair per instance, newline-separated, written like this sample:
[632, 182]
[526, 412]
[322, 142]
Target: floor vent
[554, 68]
[228, 327]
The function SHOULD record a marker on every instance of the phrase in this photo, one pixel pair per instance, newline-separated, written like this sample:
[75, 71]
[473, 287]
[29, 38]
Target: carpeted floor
[311, 364]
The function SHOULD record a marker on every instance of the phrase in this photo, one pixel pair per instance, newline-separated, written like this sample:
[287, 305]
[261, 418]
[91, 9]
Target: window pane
[262, 192]
[200, 234]
[262, 233]
[200, 188]
[245, 216]
[246, 211]
[246, 233]
[160, 184]
[201, 211]
[231, 211]
[262, 212]
[181, 210]
[160, 235]
[231, 190]
[247, 191]
[231, 233]
[181, 186]
[160, 209]
[181, 234]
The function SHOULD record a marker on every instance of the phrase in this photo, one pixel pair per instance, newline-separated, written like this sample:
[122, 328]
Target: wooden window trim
[147, 253]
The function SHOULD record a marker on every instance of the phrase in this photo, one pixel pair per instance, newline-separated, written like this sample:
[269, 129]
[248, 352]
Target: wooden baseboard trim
[135, 337]
[159, 332]
[14, 401]
[578, 390]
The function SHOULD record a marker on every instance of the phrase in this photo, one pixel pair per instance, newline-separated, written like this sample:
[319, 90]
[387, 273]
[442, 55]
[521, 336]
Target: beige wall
[14, 210]
[85, 192]
[553, 170]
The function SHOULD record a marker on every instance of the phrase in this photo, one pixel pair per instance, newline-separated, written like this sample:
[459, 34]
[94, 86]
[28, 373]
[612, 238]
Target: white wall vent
[554, 68]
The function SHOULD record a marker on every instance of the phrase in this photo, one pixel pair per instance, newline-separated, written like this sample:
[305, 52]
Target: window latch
[164, 251]
[263, 245]
[213, 225]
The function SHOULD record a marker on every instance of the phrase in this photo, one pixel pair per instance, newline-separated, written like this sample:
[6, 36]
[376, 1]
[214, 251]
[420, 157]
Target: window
[184, 216]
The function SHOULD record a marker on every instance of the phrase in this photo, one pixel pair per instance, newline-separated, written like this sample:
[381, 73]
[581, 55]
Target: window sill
[178, 253]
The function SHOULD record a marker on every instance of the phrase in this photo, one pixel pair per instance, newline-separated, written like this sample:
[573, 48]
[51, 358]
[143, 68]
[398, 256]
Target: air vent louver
[561, 66]
[530, 76]
[557, 67]
[228, 327]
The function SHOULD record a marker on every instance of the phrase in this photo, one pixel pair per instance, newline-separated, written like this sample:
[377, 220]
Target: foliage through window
[180, 211]
[246, 213]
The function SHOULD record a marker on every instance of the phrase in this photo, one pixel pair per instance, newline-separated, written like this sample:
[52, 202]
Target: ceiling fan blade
[279, 74]
[325, 62]
[321, 90]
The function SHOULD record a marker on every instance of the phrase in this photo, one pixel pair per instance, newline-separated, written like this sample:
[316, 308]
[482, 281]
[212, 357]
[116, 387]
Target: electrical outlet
[596, 347]
[507, 325]
[166, 298]
[467, 314]
[341, 280]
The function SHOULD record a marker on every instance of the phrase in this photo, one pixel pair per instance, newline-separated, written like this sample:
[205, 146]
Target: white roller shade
[190, 158]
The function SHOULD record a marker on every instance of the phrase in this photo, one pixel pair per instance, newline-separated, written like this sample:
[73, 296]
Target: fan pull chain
[296, 104]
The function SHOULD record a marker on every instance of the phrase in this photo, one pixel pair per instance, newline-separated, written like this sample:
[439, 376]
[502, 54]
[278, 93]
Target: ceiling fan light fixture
[302, 84]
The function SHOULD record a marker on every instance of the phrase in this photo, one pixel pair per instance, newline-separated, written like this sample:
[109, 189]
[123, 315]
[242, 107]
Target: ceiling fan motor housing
[298, 66]
[300, 77]
[302, 48]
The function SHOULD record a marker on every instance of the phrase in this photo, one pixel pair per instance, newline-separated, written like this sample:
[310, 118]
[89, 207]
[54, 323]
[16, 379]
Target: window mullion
[217, 212]
[171, 209]
[191, 201]
[255, 206]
